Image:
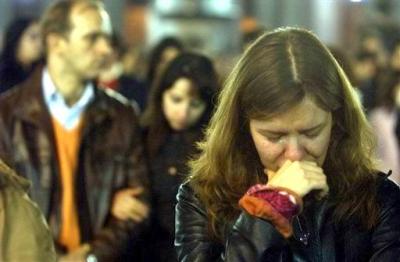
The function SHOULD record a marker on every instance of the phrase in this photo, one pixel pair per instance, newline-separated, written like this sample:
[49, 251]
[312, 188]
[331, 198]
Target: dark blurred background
[215, 26]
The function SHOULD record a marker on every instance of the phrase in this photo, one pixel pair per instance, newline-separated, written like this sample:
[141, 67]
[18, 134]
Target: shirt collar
[68, 116]
[51, 93]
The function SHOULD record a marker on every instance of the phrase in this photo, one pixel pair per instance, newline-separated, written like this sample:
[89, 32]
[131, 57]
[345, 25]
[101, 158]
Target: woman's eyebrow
[318, 126]
[282, 132]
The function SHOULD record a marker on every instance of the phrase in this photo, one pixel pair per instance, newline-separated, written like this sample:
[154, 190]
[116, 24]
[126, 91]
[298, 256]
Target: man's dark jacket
[110, 158]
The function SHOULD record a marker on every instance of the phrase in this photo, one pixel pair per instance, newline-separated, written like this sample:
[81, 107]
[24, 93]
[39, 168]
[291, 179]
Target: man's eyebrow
[93, 34]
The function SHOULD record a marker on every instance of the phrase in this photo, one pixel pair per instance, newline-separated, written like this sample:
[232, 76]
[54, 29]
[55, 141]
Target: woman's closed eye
[274, 137]
[312, 134]
[176, 99]
[196, 103]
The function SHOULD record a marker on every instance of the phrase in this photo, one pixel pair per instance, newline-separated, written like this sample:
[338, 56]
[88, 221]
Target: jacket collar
[34, 110]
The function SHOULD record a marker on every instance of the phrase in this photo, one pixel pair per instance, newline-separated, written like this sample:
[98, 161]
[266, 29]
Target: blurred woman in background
[385, 119]
[22, 50]
[179, 107]
[166, 50]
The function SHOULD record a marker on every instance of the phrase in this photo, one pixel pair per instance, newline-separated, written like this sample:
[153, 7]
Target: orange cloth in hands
[262, 209]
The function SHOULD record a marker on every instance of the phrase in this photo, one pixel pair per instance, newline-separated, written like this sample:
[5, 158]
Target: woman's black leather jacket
[315, 238]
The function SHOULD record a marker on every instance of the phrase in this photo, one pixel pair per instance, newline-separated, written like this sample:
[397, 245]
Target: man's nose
[294, 151]
[104, 47]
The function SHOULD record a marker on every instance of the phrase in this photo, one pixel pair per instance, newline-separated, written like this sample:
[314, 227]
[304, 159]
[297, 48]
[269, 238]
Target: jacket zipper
[304, 235]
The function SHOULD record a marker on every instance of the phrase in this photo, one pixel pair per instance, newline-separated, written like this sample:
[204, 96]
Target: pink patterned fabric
[280, 200]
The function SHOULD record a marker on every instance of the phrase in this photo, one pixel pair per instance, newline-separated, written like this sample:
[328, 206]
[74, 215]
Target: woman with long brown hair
[286, 171]
[179, 108]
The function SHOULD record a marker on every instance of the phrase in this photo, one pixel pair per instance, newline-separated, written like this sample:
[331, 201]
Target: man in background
[78, 144]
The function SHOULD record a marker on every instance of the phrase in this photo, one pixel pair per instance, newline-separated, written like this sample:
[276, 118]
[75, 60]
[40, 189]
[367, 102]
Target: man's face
[395, 60]
[87, 47]
[397, 95]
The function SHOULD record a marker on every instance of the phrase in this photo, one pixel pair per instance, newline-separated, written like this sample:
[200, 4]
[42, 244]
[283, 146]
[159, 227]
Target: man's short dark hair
[56, 19]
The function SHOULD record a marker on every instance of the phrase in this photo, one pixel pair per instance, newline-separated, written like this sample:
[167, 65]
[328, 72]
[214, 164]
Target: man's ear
[55, 42]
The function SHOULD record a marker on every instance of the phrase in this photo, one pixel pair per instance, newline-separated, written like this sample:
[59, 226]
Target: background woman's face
[302, 133]
[30, 45]
[181, 104]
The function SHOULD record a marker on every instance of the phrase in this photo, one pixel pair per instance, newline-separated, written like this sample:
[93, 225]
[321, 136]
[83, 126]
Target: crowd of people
[294, 157]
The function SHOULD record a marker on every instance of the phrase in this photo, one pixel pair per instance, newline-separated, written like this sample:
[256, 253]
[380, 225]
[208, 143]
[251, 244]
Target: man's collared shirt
[67, 116]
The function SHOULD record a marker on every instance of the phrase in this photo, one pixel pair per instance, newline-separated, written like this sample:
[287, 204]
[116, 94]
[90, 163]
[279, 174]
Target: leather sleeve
[114, 238]
[192, 241]
[386, 235]
[249, 239]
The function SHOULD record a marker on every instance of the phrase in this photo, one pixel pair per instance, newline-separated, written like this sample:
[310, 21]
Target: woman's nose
[294, 151]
